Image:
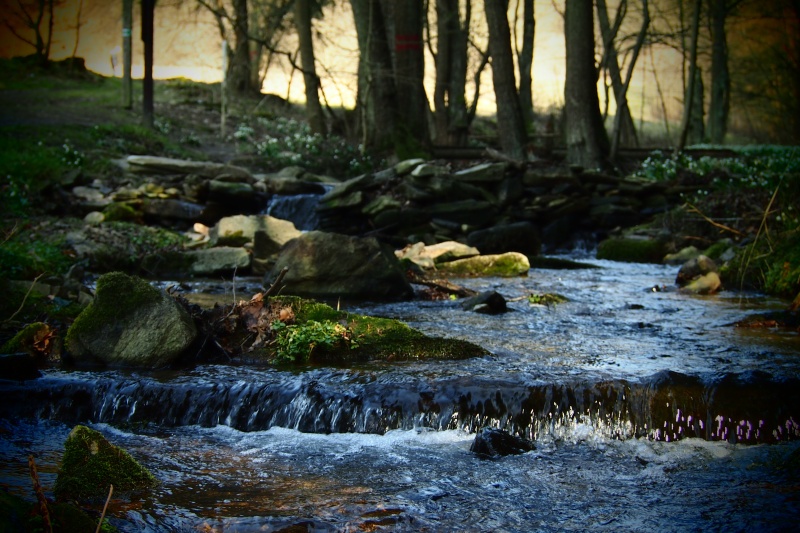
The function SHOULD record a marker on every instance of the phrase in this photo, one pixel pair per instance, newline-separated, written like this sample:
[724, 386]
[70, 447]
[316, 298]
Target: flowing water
[648, 409]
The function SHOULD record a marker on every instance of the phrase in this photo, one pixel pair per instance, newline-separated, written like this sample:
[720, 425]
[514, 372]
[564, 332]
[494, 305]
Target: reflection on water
[635, 399]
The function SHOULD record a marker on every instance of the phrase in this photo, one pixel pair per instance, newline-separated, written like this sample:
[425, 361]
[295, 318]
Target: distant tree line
[757, 71]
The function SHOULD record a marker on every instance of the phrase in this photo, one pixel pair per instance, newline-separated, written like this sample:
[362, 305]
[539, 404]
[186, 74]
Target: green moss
[717, 249]
[121, 212]
[116, 293]
[22, 341]
[547, 299]
[630, 250]
[32, 251]
[91, 464]
[339, 337]
[32, 306]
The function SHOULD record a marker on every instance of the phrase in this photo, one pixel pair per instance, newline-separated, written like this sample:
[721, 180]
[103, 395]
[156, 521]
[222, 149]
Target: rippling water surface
[626, 390]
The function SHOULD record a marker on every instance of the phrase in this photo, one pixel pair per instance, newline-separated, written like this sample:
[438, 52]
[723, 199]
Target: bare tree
[510, 125]
[719, 106]
[26, 17]
[587, 141]
[302, 20]
[148, 15]
[525, 62]
[622, 118]
[693, 71]
[450, 105]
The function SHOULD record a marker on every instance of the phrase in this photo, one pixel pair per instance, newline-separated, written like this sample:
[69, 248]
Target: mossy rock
[358, 338]
[91, 464]
[130, 323]
[630, 250]
[14, 513]
[121, 212]
[507, 265]
[24, 339]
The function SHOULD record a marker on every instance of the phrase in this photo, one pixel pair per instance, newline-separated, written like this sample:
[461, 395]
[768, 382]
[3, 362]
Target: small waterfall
[301, 209]
[744, 408]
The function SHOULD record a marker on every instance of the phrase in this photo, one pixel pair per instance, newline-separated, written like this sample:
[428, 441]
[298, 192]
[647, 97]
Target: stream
[648, 410]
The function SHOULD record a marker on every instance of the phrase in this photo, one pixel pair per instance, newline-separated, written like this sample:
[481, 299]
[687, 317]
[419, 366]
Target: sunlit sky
[188, 45]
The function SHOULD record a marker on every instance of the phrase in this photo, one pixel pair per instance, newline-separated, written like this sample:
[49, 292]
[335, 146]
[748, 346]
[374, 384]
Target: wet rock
[430, 256]
[699, 276]
[90, 464]
[94, 218]
[172, 209]
[520, 237]
[145, 164]
[241, 229]
[219, 260]
[632, 250]
[406, 167]
[683, 255]
[694, 268]
[130, 323]
[505, 265]
[494, 443]
[486, 172]
[487, 303]
[327, 265]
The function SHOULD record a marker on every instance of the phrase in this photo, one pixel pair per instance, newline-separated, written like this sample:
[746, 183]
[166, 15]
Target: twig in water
[693, 209]
[105, 507]
[37, 488]
[276, 285]
[25, 299]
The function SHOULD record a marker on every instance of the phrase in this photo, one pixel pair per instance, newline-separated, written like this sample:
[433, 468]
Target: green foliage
[289, 142]
[27, 167]
[26, 254]
[765, 265]
[297, 342]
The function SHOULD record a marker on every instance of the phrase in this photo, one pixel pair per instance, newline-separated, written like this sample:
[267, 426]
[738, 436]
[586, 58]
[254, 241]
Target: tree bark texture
[627, 129]
[693, 71]
[449, 98]
[586, 138]
[525, 62]
[510, 125]
[239, 67]
[148, 14]
[377, 104]
[719, 106]
[409, 72]
[302, 18]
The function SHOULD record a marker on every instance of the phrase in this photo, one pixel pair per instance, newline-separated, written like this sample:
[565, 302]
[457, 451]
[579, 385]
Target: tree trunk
[409, 72]
[302, 18]
[510, 125]
[449, 99]
[627, 130]
[148, 8]
[376, 101]
[690, 88]
[719, 107]
[525, 61]
[239, 66]
[697, 130]
[127, 53]
[587, 141]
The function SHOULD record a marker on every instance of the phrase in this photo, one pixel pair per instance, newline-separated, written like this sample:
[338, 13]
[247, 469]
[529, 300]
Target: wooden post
[127, 53]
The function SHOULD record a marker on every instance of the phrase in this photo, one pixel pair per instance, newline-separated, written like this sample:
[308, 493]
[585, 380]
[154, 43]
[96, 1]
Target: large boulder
[699, 276]
[505, 265]
[520, 237]
[130, 323]
[330, 265]
[240, 229]
[91, 464]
